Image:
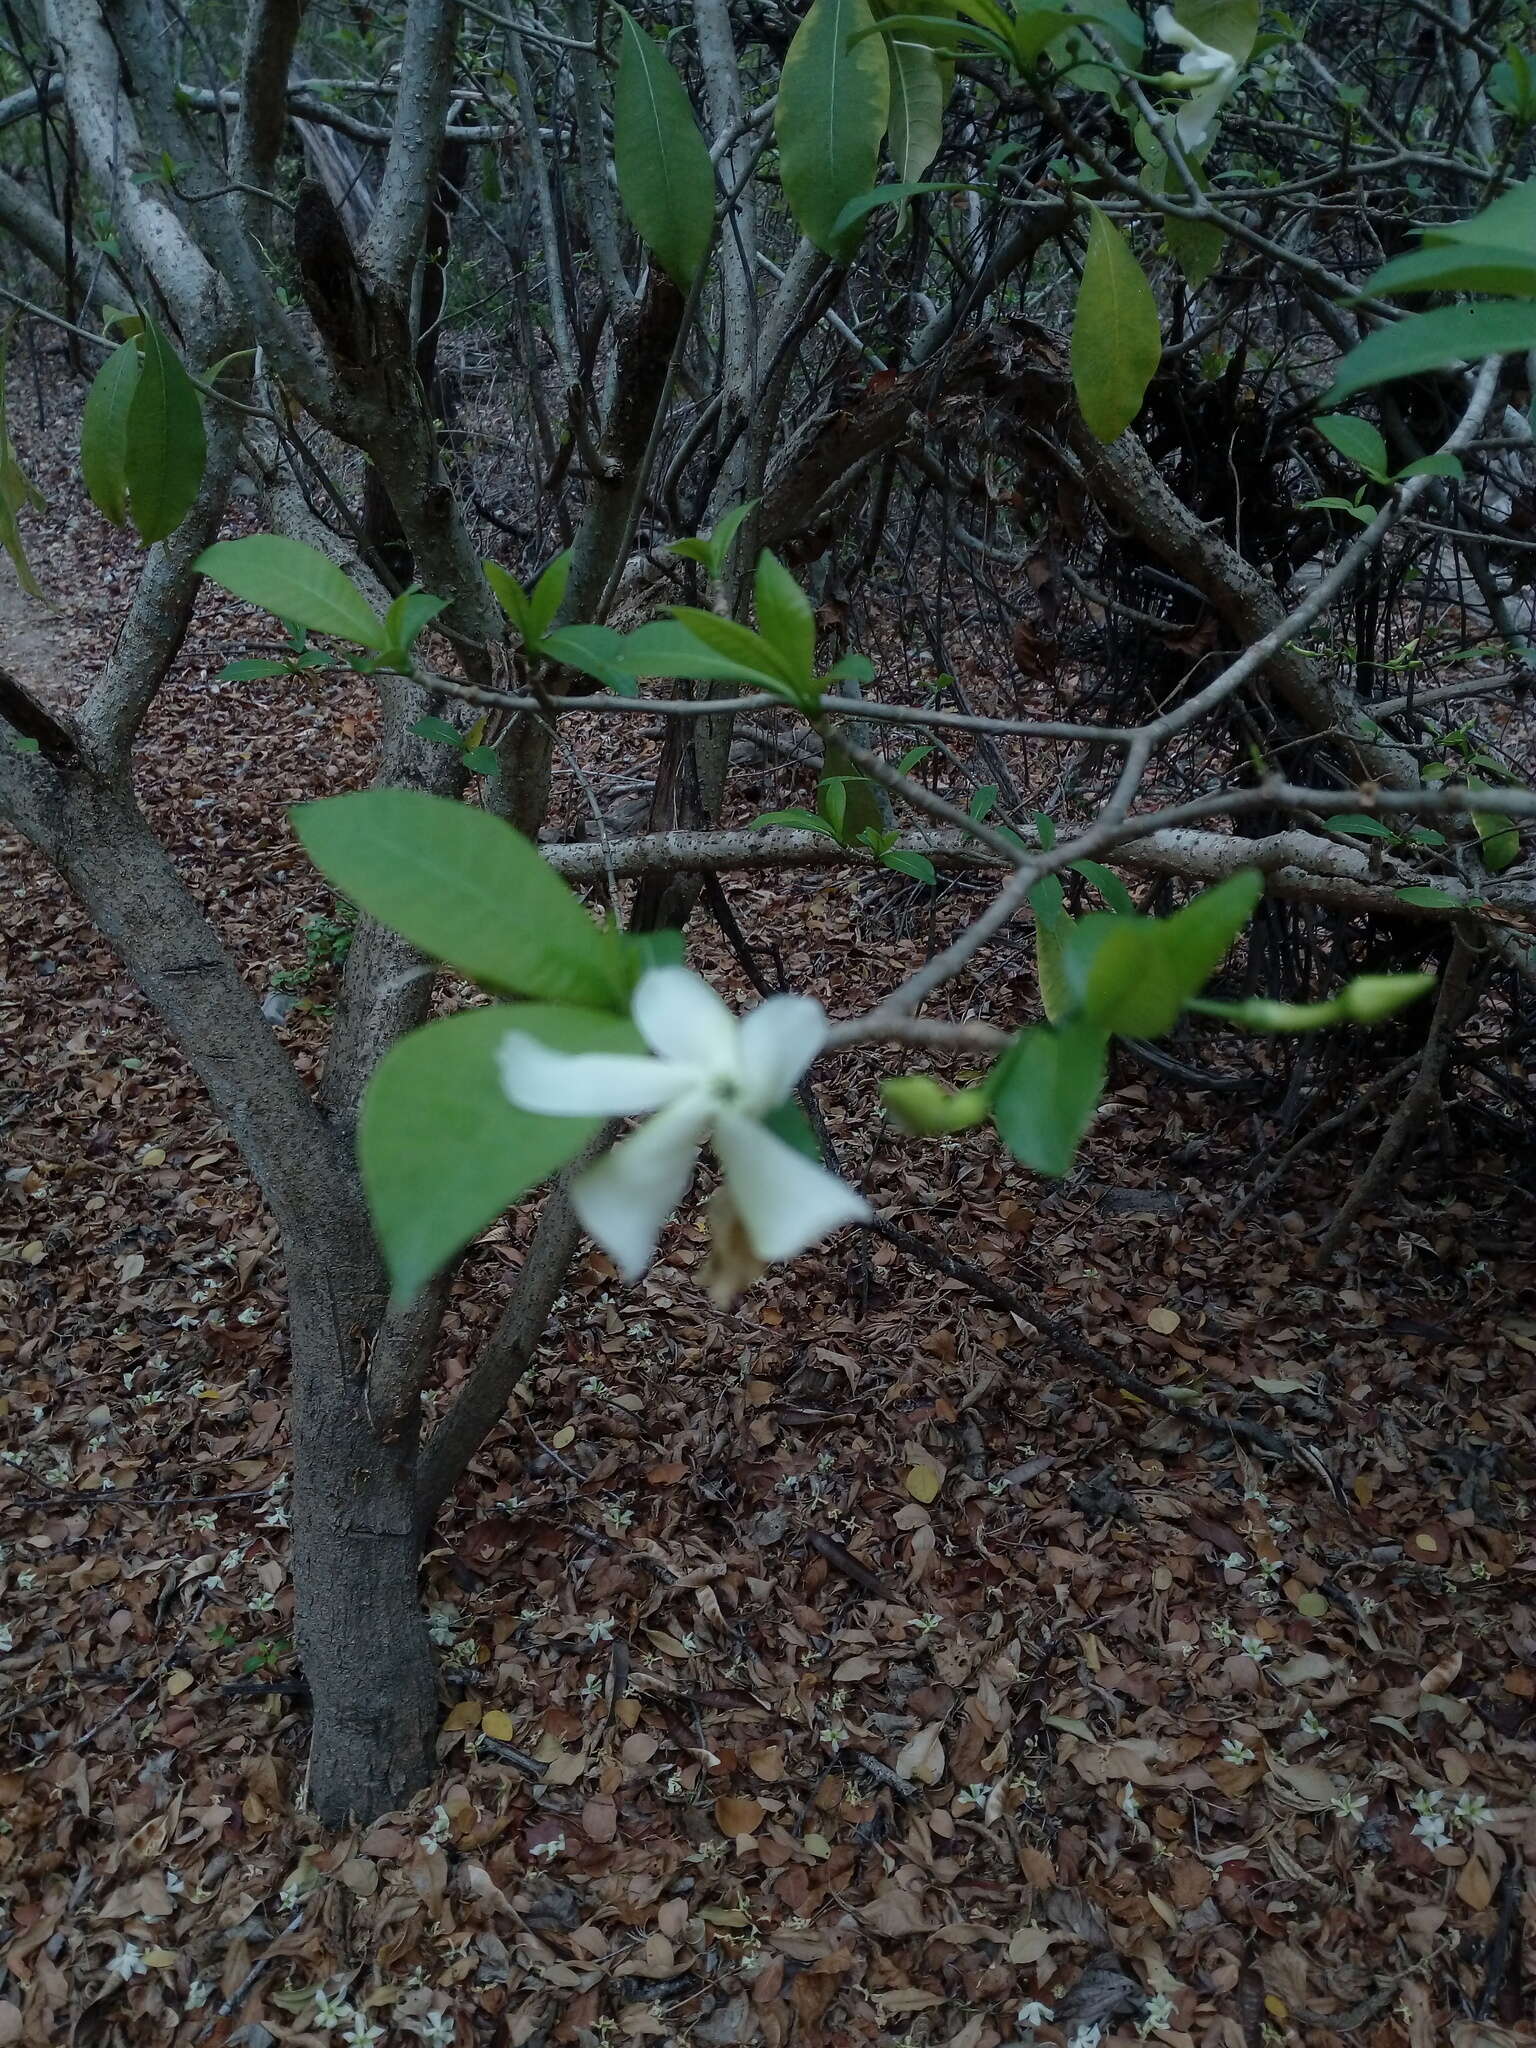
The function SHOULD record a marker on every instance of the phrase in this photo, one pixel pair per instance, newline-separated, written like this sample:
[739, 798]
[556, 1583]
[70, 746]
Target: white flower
[1033, 2014]
[436, 2029]
[714, 1076]
[1472, 1810]
[1158, 2015]
[362, 2033]
[1432, 1831]
[1349, 1805]
[331, 2011]
[7, 1639]
[1235, 1752]
[1213, 73]
[128, 1962]
[1086, 2037]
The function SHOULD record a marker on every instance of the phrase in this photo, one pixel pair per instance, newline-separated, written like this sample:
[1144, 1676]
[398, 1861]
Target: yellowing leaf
[1164, 1320]
[1117, 343]
[563, 1437]
[498, 1725]
[924, 1482]
[465, 1715]
[178, 1683]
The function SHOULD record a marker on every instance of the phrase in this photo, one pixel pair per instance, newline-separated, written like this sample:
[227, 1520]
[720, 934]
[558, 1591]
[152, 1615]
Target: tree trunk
[356, 1555]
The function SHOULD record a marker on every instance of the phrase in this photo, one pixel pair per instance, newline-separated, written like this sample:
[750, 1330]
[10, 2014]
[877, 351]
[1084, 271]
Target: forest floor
[852, 1667]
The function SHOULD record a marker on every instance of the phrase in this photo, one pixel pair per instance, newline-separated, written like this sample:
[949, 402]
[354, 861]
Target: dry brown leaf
[922, 1759]
[737, 1816]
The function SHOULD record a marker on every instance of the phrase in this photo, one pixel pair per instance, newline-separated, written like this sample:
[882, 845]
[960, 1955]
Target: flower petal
[785, 1201]
[539, 1078]
[681, 1018]
[625, 1199]
[779, 1039]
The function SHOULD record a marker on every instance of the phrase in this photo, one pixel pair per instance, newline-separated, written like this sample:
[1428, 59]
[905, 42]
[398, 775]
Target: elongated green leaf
[666, 180]
[1434, 341]
[834, 100]
[597, 651]
[104, 433]
[1044, 1092]
[1498, 840]
[785, 619]
[1458, 267]
[1133, 975]
[443, 1151]
[466, 888]
[666, 648]
[1050, 967]
[512, 598]
[1108, 884]
[1116, 341]
[296, 582]
[918, 92]
[165, 447]
[751, 654]
[1509, 223]
[1356, 440]
[545, 597]
[891, 195]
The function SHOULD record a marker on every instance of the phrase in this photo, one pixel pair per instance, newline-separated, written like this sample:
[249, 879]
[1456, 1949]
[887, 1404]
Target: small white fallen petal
[785, 1201]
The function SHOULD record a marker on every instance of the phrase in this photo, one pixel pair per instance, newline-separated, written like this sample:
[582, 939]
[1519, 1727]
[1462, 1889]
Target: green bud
[1370, 997]
[919, 1105]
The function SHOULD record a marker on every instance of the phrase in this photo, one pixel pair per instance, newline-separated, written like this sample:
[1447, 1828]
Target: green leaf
[857, 210]
[862, 809]
[790, 1122]
[104, 433]
[296, 582]
[1357, 441]
[253, 671]
[712, 550]
[786, 621]
[482, 761]
[1229, 25]
[597, 651]
[1434, 341]
[544, 600]
[917, 865]
[1133, 975]
[439, 731]
[1360, 825]
[1109, 886]
[1430, 899]
[1116, 341]
[1457, 267]
[1508, 223]
[1050, 965]
[165, 447]
[666, 180]
[802, 821]
[834, 100]
[408, 616]
[1442, 463]
[466, 888]
[512, 598]
[1499, 840]
[1044, 1091]
[720, 648]
[443, 1152]
[918, 92]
